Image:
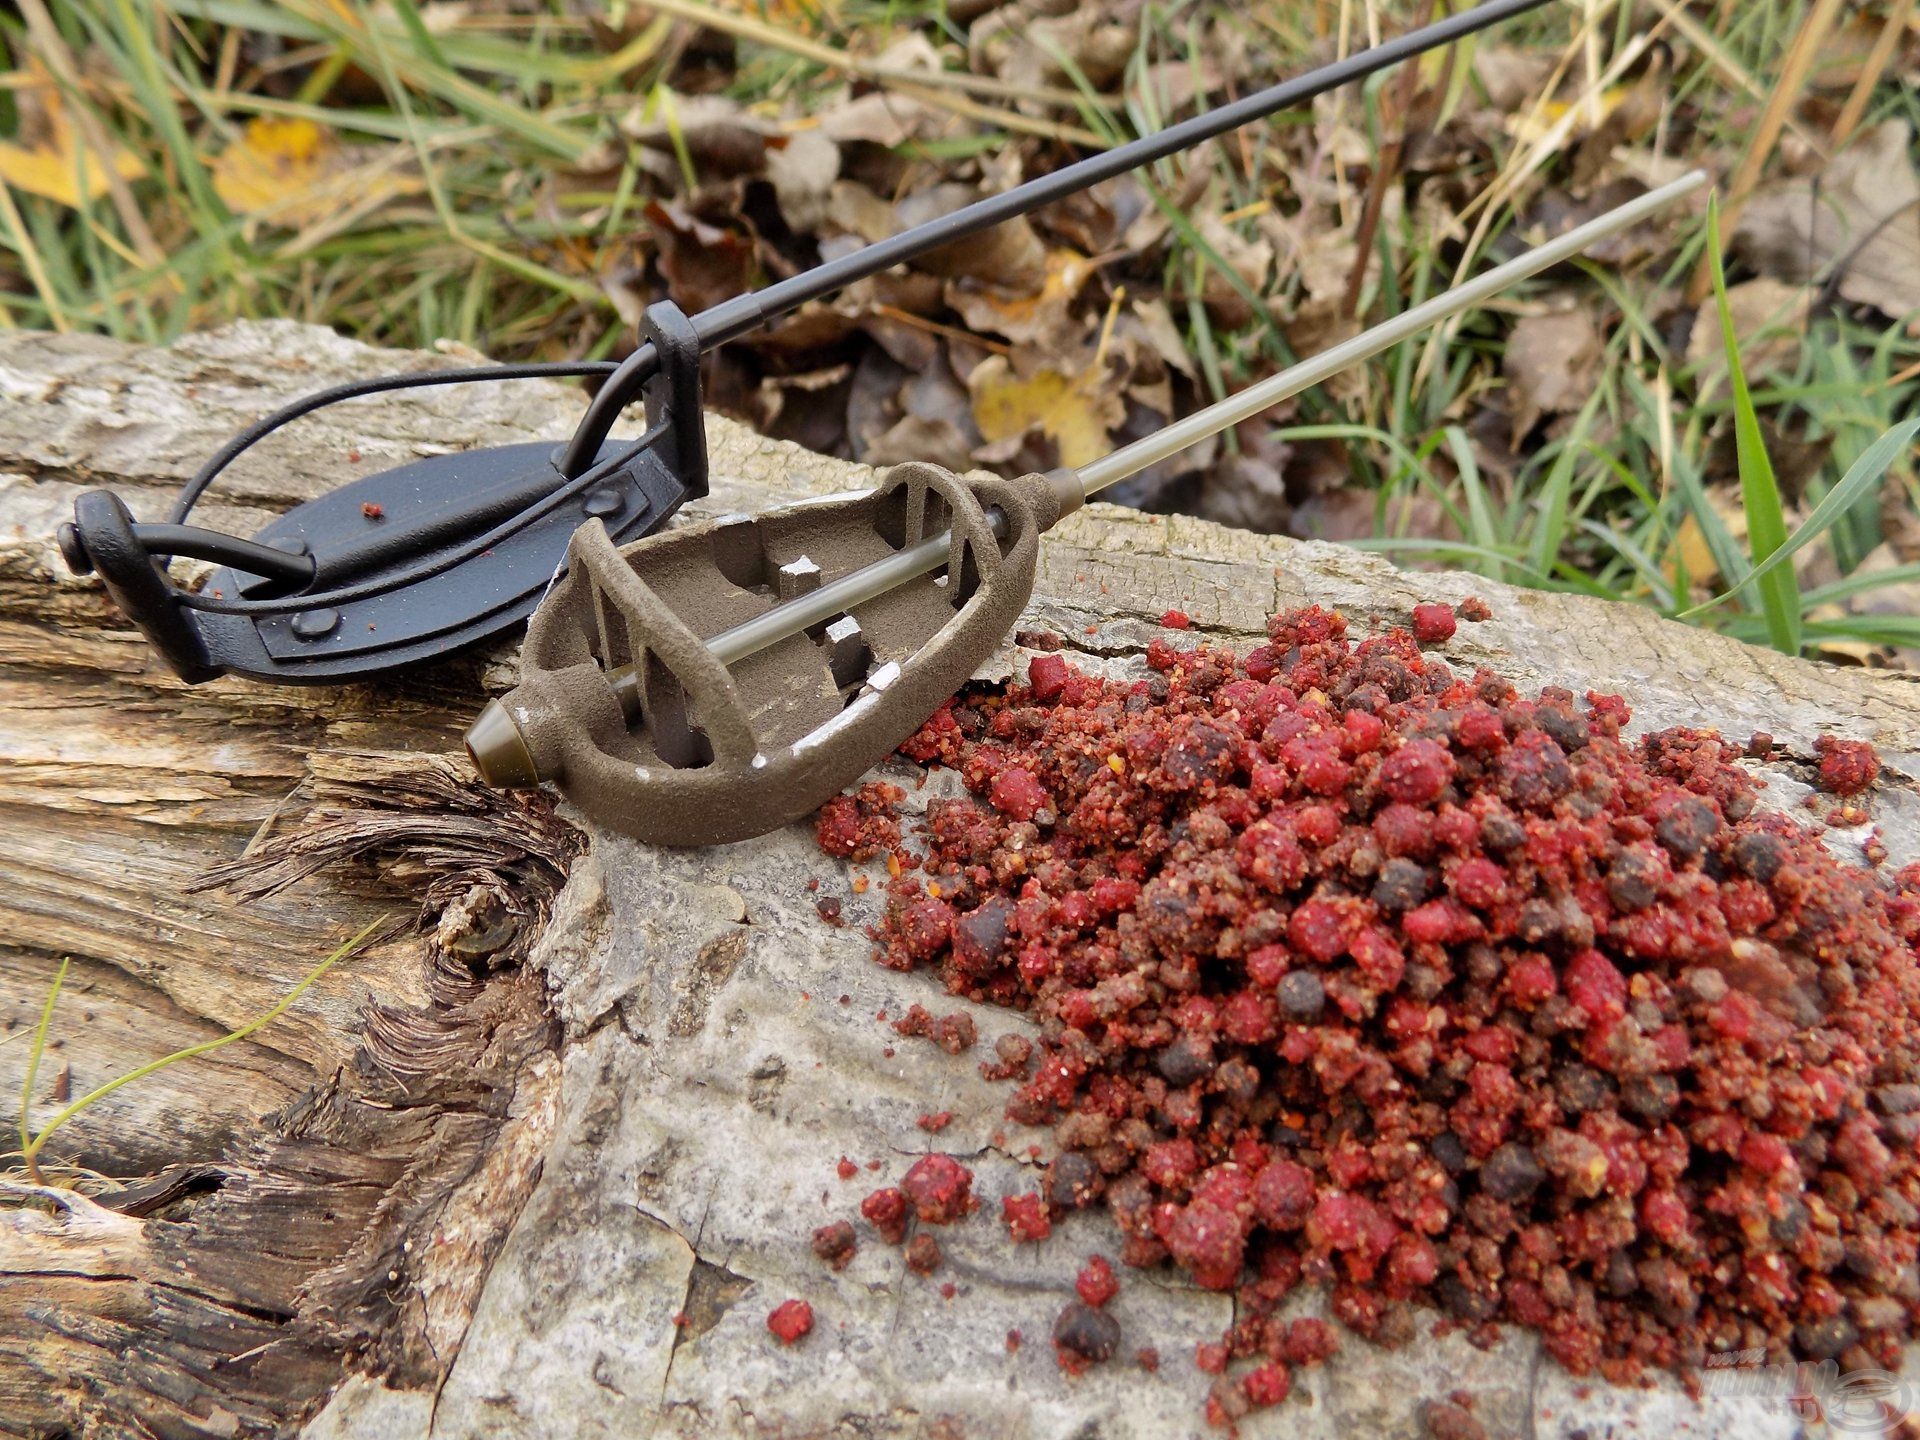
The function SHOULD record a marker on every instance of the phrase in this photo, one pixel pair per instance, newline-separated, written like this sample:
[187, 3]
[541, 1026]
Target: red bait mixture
[1352, 972]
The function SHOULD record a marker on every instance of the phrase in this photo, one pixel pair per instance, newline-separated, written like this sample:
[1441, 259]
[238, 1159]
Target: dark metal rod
[733, 318]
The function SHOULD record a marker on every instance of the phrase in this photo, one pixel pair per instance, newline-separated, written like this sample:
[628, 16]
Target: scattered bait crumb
[934, 1123]
[886, 1211]
[1759, 745]
[1348, 969]
[1047, 676]
[835, 1244]
[829, 908]
[948, 1290]
[923, 1254]
[1176, 620]
[846, 1169]
[1433, 624]
[791, 1320]
[1026, 1217]
[1038, 640]
[1014, 1341]
[1083, 1336]
[1267, 1384]
[1449, 1420]
[1148, 1359]
[1847, 767]
[1210, 1358]
[940, 1189]
[372, 511]
[861, 825]
[1473, 608]
[953, 1033]
[1095, 1283]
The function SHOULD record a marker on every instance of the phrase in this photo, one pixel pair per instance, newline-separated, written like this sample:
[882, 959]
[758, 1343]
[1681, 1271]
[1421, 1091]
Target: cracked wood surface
[576, 1226]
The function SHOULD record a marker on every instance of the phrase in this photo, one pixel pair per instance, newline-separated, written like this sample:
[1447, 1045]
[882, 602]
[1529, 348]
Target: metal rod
[1170, 440]
[859, 586]
[733, 318]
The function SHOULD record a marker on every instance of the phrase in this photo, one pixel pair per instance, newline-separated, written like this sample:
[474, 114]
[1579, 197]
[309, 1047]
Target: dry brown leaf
[1027, 50]
[882, 118]
[1077, 412]
[703, 264]
[1010, 254]
[1768, 317]
[1550, 365]
[1025, 316]
[49, 158]
[1856, 225]
[1163, 336]
[721, 139]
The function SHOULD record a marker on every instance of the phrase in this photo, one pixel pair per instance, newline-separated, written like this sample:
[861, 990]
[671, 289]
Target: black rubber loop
[191, 492]
[439, 564]
[266, 561]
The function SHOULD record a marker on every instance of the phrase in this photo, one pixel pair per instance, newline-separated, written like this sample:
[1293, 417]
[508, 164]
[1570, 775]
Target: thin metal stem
[859, 586]
[1170, 440]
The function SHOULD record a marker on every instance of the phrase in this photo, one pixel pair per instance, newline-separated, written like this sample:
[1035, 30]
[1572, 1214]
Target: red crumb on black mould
[886, 1211]
[1433, 624]
[1084, 1336]
[940, 1189]
[1847, 767]
[923, 1254]
[835, 1244]
[1026, 1217]
[1350, 971]
[790, 1320]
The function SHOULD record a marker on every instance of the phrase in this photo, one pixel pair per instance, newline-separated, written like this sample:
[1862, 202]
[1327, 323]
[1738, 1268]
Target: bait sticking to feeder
[414, 563]
[830, 629]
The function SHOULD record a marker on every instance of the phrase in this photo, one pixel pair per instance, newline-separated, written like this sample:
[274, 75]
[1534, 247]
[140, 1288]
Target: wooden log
[554, 1187]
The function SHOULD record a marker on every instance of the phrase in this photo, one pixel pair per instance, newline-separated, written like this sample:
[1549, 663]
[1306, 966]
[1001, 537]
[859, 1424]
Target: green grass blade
[1778, 589]
[1865, 473]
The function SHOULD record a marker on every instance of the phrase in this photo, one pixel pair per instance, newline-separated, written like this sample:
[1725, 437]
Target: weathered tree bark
[541, 1159]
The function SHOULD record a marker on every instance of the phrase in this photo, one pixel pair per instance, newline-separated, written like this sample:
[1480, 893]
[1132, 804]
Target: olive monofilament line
[733, 318]
[842, 595]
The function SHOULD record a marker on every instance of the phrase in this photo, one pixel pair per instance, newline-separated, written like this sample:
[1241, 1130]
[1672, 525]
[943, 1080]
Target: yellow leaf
[296, 174]
[1076, 412]
[1531, 127]
[50, 159]
[275, 168]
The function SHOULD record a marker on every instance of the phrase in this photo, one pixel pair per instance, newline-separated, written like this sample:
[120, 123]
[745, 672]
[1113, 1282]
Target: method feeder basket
[829, 630]
[414, 563]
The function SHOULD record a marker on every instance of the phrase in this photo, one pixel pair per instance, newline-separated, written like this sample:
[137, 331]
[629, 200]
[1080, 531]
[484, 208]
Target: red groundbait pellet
[1351, 971]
